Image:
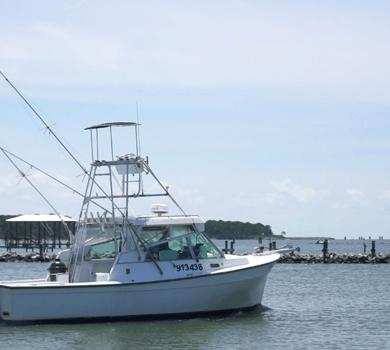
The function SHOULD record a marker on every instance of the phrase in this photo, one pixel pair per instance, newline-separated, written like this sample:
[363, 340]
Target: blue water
[305, 307]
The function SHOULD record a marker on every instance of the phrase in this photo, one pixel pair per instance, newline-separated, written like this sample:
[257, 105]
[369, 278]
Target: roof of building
[42, 218]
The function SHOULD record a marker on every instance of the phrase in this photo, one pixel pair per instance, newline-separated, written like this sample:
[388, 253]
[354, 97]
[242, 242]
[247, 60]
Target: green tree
[236, 229]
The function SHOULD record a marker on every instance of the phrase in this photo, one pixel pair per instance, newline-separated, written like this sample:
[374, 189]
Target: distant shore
[312, 238]
[277, 237]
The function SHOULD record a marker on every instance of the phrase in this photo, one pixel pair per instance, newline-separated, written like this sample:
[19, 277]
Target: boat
[122, 264]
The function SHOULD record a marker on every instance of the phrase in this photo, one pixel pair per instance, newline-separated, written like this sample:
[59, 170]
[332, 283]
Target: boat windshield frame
[211, 248]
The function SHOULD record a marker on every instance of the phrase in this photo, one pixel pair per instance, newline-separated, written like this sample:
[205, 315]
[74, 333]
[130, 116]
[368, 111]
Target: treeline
[236, 229]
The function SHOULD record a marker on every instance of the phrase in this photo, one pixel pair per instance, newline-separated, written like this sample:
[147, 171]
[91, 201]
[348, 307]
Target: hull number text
[186, 267]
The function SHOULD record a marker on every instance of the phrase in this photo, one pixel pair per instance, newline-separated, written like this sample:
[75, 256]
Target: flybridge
[126, 164]
[95, 141]
[131, 167]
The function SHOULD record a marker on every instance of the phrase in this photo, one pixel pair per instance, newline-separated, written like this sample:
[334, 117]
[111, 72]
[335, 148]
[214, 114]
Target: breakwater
[293, 258]
[334, 258]
[26, 258]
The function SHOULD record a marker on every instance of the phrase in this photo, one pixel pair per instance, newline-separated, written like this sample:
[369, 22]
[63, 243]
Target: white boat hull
[225, 290]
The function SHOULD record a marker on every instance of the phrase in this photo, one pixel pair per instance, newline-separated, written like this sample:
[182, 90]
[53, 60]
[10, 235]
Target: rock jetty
[21, 257]
[334, 258]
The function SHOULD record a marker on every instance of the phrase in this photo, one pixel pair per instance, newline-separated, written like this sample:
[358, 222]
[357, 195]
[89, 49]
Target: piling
[41, 251]
[325, 251]
[273, 245]
[232, 245]
[373, 249]
[227, 250]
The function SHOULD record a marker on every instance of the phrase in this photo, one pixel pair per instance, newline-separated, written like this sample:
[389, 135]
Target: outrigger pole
[53, 133]
[52, 177]
[23, 175]
[47, 126]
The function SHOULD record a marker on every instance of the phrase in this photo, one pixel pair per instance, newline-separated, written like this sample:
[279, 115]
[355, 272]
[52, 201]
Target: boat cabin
[166, 238]
[146, 240]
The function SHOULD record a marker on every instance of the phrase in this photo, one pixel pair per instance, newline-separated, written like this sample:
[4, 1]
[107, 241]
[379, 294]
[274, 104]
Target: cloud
[184, 197]
[246, 45]
[352, 199]
[286, 190]
[18, 196]
[355, 195]
[187, 197]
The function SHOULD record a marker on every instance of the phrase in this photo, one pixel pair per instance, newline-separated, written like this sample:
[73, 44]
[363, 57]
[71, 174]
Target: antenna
[136, 132]
[139, 135]
[112, 145]
[91, 145]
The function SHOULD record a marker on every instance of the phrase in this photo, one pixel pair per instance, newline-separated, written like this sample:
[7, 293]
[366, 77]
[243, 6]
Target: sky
[253, 111]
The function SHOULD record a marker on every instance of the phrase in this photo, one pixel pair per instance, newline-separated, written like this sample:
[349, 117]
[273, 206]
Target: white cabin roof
[166, 220]
[41, 218]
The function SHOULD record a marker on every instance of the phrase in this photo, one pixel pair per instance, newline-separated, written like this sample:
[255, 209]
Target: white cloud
[286, 190]
[355, 195]
[187, 197]
[190, 47]
[184, 197]
[352, 199]
[18, 196]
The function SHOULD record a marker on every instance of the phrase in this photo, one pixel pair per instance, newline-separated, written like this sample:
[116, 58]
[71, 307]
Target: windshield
[153, 234]
[182, 243]
[202, 246]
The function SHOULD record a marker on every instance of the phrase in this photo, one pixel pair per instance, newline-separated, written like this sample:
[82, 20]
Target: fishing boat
[126, 265]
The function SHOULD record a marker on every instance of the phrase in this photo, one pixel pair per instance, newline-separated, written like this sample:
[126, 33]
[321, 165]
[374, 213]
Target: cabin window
[153, 234]
[105, 250]
[182, 230]
[202, 247]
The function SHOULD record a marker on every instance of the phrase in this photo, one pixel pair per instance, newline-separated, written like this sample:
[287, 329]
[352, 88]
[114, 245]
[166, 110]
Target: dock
[41, 232]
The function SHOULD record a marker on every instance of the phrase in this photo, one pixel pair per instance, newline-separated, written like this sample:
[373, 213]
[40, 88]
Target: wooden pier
[41, 232]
